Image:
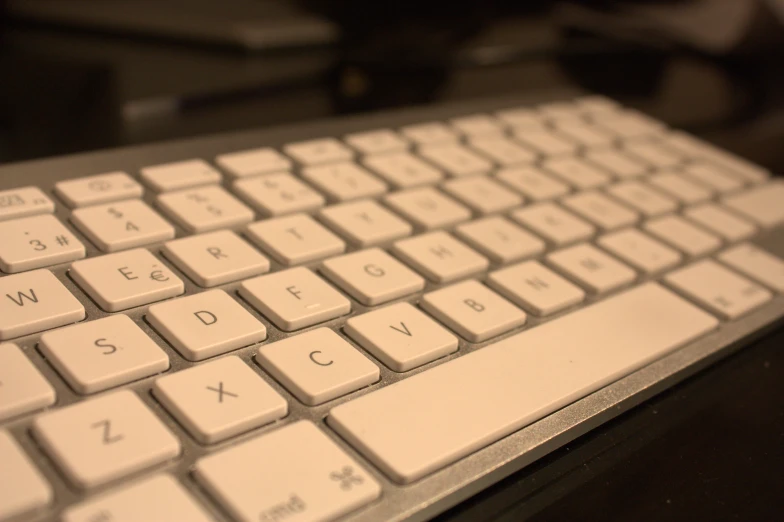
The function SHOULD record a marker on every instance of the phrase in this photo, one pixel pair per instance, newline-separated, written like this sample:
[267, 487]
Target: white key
[296, 239]
[639, 250]
[294, 299]
[554, 223]
[600, 210]
[344, 181]
[712, 177]
[616, 163]
[101, 188]
[122, 225]
[473, 311]
[499, 239]
[401, 336]
[455, 159]
[430, 420]
[521, 117]
[761, 204]
[219, 399]
[372, 276]
[654, 153]
[558, 110]
[36, 242]
[681, 234]
[721, 222]
[253, 162]
[22, 387]
[643, 198]
[536, 288]
[317, 366]
[629, 124]
[206, 324]
[584, 133]
[429, 133]
[105, 438]
[203, 209]
[503, 151]
[677, 186]
[482, 194]
[365, 223]
[692, 146]
[376, 141]
[440, 257]
[179, 175]
[545, 142]
[305, 475]
[24, 487]
[428, 208]
[477, 125]
[320, 150]
[156, 499]
[35, 301]
[127, 279]
[277, 194]
[402, 170]
[215, 258]
[103, 353]
[576, 172]
[24, 201]
[592, 268]
[757, 264]
[595, 104]
[533, 183]
[718, 289]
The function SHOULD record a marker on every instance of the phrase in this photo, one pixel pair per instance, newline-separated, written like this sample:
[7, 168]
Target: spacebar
[432, 419]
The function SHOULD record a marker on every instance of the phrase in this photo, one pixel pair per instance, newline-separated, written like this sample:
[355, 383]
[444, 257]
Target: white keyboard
[366, 319]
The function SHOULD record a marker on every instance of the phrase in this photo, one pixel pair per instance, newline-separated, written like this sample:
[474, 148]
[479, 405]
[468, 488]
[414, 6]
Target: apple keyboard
[363, 319]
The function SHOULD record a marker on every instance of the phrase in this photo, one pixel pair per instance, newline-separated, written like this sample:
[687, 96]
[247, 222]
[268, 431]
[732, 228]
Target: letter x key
[221, 392]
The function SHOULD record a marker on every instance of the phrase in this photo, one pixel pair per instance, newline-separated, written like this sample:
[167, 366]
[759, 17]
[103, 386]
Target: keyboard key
[365, 223]
[500, 240]
[430, 420]
[536, 288]
[24, 487]
[127, 279]
[600, 210]
[429, 133]
[376, 141]
[584, 133]
[219, 399]
[477, 125]
[24, 201]
[592, 268]
[317, 366]
[102, 188]
[372, 276]
[545, 142]
[36, 242]
[503, 151]
[428, 208]
[344, 181]
[159, 498]
[521, 117]
[533, 183]
[253, 162]
[103, 353]
[35, 301]
[576, 172]
[206, 324]
[401, 336]
[679, 187]
[640, 250]
[629, 124]
[718, 289]
[554, 223]
[455, 159]
[105, 438]
[296, 239]
[761, 204]
[692, 146]
[643, 198]
[559, 110]
[215, 258]
[318, 151]
[616, 163]
[684, 236]
[278, 194]
[482, 194]
[122, 225]
[654, 153]
[719, 221]
[440, 257]
[204, 208]
[595, 104]
[22, 387]
[305, 474]
[403, 170]
[712, 177]
[294, 299]
[473, 311]
[179, 175]
[757, 264]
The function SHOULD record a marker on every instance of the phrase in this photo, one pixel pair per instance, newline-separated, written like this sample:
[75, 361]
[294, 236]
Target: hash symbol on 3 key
[346, 478]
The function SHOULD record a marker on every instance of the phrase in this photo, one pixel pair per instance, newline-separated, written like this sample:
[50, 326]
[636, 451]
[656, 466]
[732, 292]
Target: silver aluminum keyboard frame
[436, 492]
